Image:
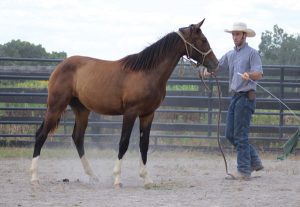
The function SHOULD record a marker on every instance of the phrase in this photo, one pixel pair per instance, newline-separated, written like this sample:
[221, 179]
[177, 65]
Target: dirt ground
[181, 179]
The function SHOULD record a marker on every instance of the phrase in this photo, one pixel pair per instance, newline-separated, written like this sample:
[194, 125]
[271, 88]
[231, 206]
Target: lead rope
[200, 73]
[280, 101]
[218, 127]
[202, 80]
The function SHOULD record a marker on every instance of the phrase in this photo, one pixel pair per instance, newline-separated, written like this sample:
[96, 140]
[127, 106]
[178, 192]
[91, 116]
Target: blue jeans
[237, 129]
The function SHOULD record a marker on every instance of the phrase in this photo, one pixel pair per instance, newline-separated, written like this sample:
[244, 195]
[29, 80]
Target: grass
[182, 88]
[71, 153]
[24, 84]
[20, 152]
[59, 152]
[7, 152]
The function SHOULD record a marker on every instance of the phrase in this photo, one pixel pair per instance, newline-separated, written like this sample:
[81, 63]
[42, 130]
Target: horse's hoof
[149, 185]
[118, 186]
[35, 182]
[93, 180]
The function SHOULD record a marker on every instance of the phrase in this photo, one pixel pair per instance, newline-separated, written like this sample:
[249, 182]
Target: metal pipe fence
[187, 115]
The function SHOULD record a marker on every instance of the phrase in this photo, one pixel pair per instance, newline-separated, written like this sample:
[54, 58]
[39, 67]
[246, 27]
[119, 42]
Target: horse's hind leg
[81, 121]
[128, 122]
[145, 126]
[50, 122]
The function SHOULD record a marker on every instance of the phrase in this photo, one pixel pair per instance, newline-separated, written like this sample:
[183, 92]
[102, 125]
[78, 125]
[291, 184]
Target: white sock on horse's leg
[34, 169]
[144, 174]
[117, 172]
[87, 168]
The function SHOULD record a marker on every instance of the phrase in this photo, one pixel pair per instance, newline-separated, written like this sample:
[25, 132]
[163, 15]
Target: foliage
[24, 49]
[36, 84]
[279, 48]
[182, 88]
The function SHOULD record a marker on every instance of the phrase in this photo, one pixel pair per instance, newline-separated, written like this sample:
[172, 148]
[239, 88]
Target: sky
[113, 29]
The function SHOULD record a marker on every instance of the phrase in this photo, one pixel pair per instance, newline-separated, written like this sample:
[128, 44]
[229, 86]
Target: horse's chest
[152, 99]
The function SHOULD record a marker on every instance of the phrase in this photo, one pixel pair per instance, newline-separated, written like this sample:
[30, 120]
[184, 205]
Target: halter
[192, 63]
[219, 92]
[191, 45]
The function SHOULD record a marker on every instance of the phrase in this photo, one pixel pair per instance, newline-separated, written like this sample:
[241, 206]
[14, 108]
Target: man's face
[238, 38]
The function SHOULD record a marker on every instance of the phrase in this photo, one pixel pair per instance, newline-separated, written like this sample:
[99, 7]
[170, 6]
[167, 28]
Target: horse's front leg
[145, 127]
[128, 122]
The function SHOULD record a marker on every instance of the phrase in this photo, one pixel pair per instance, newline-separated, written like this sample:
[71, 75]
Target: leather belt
[251, 94]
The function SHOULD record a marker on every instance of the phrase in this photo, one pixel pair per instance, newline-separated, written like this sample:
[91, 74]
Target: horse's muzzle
[212, 66]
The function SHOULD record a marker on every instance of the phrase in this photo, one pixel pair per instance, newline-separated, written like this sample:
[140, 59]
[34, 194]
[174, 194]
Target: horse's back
[105, 86]
[79, 68]
[95, 82]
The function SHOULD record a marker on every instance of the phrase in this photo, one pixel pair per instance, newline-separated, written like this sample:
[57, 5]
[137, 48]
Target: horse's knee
[123, 146]
[78, 141]
[39, 142]
[40, 138]
[144, 145]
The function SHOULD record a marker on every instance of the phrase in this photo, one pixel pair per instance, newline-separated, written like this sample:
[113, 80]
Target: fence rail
[187, 115]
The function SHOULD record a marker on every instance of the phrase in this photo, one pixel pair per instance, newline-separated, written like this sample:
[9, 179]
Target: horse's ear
[200, 23]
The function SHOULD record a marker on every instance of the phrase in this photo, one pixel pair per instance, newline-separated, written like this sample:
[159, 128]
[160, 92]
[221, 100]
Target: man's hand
[245, 76]
[251, 76]
[205, 73]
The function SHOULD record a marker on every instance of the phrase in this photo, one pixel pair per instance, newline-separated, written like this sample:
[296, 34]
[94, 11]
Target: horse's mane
[152, 55]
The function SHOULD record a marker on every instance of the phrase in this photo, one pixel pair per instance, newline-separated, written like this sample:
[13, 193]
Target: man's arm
[255, 75]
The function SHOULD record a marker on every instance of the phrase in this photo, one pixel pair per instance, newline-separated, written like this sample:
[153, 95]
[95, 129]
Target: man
[244, 66]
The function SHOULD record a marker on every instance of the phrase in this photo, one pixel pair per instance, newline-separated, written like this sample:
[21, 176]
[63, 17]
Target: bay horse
[133, 86]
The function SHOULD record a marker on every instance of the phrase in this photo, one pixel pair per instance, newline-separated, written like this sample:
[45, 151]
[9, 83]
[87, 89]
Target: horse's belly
[111, 99]
[102, 105]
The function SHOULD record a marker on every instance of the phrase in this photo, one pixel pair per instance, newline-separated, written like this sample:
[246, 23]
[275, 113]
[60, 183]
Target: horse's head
[197, 46]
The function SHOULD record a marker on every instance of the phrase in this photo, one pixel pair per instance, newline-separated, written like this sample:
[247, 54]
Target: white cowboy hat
[241, 27]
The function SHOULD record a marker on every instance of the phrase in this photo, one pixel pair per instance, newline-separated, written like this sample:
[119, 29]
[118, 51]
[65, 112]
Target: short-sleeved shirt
[240, 60]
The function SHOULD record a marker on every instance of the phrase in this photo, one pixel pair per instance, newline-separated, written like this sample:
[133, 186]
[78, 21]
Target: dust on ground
[181, 179]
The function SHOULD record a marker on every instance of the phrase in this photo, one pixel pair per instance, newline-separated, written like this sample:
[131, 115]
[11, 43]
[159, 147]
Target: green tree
[23, 49]
[279, 48]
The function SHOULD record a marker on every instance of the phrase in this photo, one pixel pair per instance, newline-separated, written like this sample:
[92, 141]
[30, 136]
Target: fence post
[281, 113]
[210, 108]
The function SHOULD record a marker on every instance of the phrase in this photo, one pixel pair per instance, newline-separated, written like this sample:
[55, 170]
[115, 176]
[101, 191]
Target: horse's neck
[167, 66]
